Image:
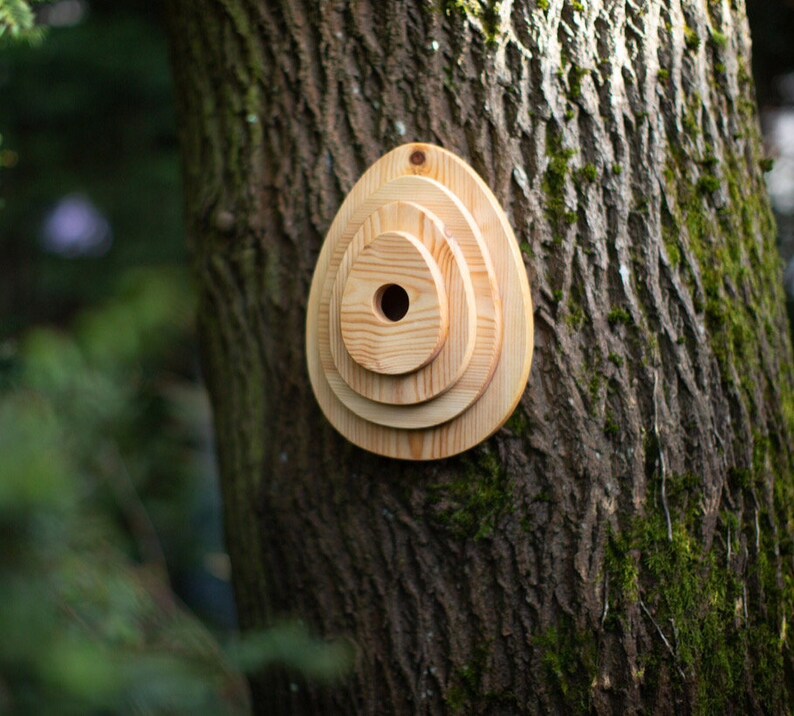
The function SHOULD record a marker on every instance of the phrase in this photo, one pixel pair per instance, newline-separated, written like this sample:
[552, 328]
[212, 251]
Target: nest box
[419, 329]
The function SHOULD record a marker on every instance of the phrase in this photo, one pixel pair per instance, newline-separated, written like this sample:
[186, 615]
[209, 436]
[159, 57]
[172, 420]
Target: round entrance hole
[392, 302]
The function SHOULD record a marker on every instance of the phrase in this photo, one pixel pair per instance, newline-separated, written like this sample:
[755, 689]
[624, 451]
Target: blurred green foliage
[88, 621]
[87, 112]
[18, 21]
[108, 497]
[84, 626]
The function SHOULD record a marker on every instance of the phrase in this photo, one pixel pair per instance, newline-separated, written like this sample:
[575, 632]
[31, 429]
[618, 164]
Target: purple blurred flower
[75, 227]
[63, 13]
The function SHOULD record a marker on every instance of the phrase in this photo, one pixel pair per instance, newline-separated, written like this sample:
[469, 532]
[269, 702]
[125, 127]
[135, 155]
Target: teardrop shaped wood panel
[419, 331]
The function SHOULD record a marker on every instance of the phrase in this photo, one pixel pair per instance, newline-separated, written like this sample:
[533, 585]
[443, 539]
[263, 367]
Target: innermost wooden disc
[394, 313]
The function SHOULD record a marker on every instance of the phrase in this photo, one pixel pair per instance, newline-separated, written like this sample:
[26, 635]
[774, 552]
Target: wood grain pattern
[404, 343]
[463, 341]
[448, 373]
[460, 372]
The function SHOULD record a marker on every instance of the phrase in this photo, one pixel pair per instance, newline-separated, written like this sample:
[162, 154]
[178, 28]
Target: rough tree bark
[624, 544]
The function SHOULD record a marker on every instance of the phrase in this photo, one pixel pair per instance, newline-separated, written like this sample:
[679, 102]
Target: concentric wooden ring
[445, 368]
[394, 278]
[463, 373]
[455, 355]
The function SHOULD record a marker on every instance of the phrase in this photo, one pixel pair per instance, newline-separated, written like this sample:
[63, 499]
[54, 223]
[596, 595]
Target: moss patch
[619, 316]
[575, 317]
[723, 617]
[570, 657]
[470, 504]
[611, 425]
[486, 12]
[575, 76]
[555, 181]
[691, 38]
[714, 646]
[719, 39]
[734, 246]
[587, 174]
[518, 422]
[708, 184]
[467, 693]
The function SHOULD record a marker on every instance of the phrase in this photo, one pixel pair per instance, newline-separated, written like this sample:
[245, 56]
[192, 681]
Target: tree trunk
[624, 544]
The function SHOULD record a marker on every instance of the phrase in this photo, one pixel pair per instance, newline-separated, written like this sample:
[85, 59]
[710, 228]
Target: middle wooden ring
[453, 372]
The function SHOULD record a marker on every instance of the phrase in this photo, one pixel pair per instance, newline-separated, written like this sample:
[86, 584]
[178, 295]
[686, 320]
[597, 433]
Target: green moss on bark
[719, 39]
[619, 316]
[720, 652]
[570, 657]
[737, 263]
[470, 505]
[691, 38]
[518, 422]
[724, 616]
[575, 76]
[485, 12]
[555, 181]
[468, 694]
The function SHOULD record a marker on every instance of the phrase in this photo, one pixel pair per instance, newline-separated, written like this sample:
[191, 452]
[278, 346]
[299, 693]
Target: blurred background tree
[772, 24]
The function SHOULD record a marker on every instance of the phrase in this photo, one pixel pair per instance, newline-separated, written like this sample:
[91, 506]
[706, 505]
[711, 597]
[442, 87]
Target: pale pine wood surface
[457, 351]
[372, 339]
[463, 371]
[449, 373]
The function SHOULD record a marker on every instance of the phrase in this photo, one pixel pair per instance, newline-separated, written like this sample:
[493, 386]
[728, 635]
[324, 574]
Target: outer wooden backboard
[419, 329]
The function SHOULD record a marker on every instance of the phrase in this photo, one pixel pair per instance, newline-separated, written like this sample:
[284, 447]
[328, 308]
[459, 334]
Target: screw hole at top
[418, 158]
[392, 302]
